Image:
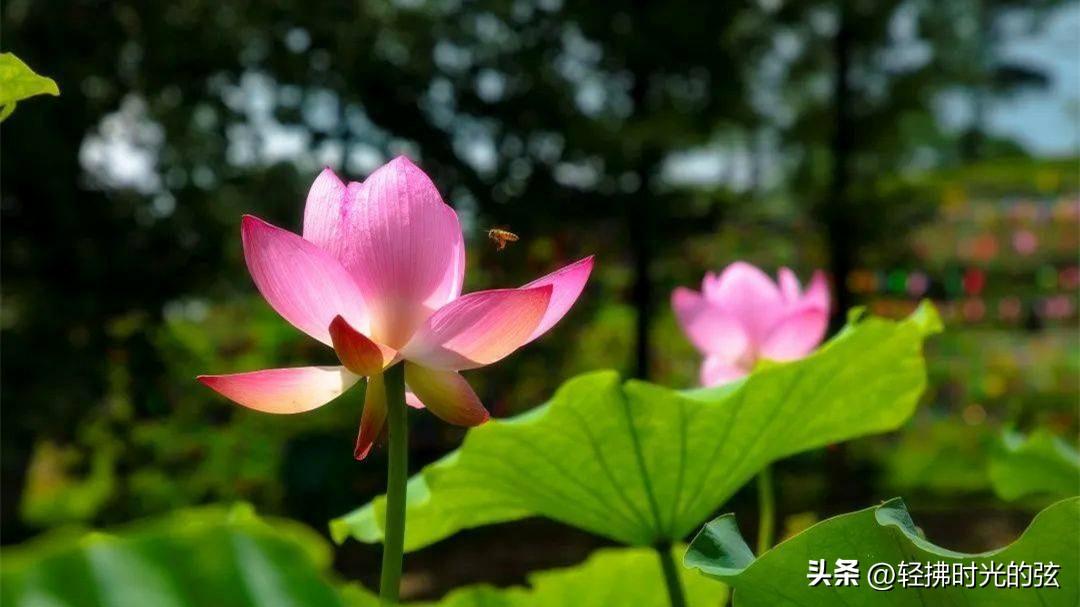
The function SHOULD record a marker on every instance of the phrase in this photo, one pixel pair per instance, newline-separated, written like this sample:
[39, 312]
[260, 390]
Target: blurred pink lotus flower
[742, 316]
[377, 276]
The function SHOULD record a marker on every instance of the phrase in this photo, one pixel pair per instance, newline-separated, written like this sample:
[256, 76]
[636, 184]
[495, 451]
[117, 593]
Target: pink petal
[796, 334]
[358, 353]
[292, 390]
[397, 238]
[446, 394]
[453, 279]
[709, 284]
[303, 283]
[817, 292]
[373, 417]
[323, 210]
[750, 296]
[789, 286]
[567, 284]
[711, 330]
[715, 371]
[479, 328]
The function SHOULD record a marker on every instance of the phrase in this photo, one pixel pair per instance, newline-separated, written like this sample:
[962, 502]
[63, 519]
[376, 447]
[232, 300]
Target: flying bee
[501, 237]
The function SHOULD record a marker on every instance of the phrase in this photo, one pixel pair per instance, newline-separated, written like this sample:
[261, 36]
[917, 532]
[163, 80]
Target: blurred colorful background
[912, 149]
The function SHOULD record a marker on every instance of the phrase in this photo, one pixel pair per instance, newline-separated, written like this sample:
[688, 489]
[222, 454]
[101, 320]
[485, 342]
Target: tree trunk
[844, 486]
[837, 207]
[642, 293]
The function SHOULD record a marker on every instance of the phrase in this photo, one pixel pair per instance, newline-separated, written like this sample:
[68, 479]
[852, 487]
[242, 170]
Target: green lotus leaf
[642, 464]
[886, 534]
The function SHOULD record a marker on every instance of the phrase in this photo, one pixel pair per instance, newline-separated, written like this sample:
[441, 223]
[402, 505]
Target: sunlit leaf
[643, 464]
[1041, 464]
[18, 81]
[886, 534]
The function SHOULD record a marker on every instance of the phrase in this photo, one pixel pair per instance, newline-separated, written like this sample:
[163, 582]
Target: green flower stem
[396, 478]
[671, 576]
[766, 510]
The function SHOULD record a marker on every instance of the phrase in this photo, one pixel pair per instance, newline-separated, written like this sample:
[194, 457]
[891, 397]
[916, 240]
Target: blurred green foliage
[1038, 464]
[210, 556]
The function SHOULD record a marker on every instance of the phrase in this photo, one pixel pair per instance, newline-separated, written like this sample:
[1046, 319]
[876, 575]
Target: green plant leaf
[642, 464]
[18, 81]
[208, 556]
[885, 534]
[1040, 464]
[612, 576]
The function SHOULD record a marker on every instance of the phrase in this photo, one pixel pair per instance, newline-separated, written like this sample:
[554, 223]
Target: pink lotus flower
[742, 316]
[377, 276]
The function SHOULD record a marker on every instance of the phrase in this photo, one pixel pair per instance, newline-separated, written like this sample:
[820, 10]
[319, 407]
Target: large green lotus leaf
[209, 556]
[18, 81]
[886, 534]
[643, 464]
[1040, 464]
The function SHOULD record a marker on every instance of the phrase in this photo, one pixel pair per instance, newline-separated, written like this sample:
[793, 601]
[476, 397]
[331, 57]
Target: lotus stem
[396, 479]
[766, 510]
[671, 576]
